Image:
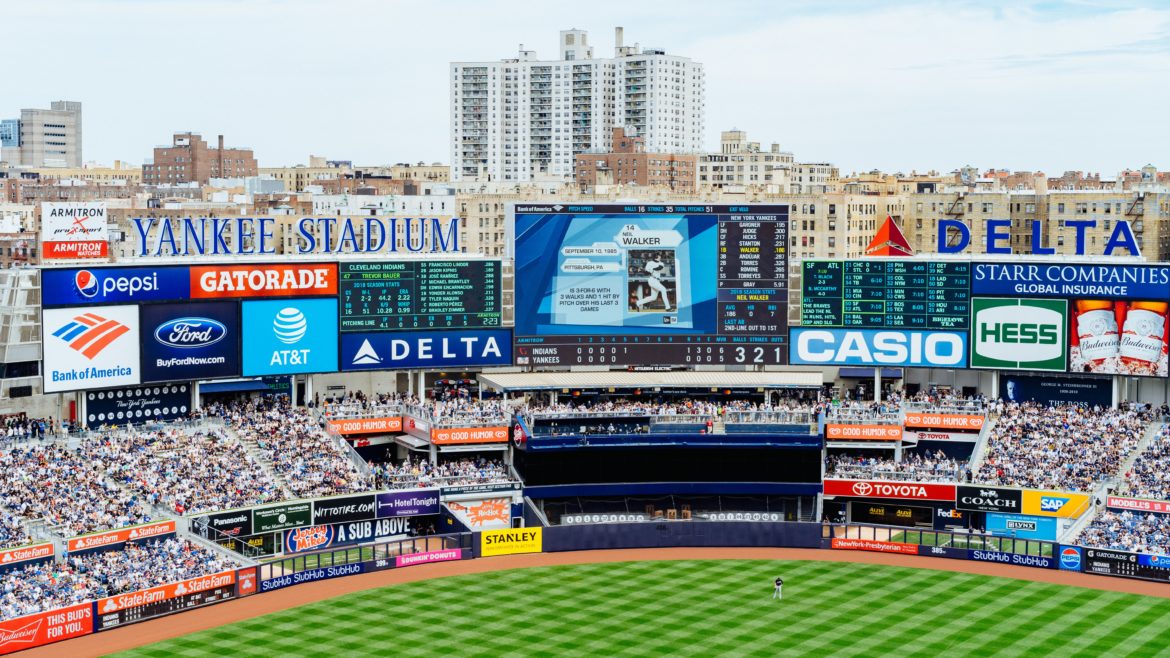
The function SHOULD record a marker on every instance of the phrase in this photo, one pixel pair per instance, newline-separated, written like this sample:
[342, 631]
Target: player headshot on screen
[1011, 390]
[651, 274]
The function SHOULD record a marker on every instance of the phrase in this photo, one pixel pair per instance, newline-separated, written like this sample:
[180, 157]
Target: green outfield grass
[703, 608]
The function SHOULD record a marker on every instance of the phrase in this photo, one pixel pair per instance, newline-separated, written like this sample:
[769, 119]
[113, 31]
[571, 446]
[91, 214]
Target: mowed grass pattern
[702, 608]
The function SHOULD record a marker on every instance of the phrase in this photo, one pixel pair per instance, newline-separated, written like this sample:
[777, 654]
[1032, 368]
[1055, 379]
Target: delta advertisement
[74, 230]
[878, 347]
[136, 405]
[1056, 390]
[1019, 334]
[285, 337]
[93, 347]
[190, 341]
[426, 349]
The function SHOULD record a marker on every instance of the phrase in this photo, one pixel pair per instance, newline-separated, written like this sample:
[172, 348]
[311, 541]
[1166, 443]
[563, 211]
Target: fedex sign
[885, 347]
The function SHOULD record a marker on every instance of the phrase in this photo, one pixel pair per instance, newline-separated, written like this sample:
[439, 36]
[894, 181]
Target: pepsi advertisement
[426, 349]
[183, 342]
[114, 285]
[289, 336]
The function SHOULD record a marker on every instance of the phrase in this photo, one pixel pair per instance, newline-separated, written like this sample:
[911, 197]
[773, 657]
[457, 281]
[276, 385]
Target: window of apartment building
[833, 208]
[1082, 208]
[1029, 208]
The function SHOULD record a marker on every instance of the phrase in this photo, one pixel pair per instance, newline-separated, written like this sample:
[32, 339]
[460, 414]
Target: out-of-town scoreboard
[406, 295]
[886, 294]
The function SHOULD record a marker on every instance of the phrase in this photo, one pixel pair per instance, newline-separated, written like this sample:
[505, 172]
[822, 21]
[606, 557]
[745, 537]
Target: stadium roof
[532, 381]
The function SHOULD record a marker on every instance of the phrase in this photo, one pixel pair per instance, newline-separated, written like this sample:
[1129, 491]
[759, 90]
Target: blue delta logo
[1052, 503]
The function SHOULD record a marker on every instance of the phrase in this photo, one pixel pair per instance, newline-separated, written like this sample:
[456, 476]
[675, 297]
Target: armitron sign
[890, 490]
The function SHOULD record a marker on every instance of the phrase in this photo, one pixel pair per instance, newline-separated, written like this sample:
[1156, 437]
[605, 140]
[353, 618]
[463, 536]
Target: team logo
[1052, 503]
[90, 333]
[862, 488]
[86, 283]
[1070, 558]
[290, 325]
[190, 333]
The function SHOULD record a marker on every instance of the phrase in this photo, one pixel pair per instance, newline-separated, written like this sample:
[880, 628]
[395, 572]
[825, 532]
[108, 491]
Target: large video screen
[410, 295]
[651, 284]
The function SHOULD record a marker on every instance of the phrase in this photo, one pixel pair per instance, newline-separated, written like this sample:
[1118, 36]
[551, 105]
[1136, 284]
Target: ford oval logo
[187, 333]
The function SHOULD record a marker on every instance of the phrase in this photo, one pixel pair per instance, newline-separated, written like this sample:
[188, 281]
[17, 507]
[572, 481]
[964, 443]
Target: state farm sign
[968, 422]
[891, 490]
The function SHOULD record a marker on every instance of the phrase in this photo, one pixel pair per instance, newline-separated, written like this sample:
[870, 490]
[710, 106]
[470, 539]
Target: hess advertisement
[190, 341]
[1015, 334]
[286, 337]
[93, 347]
[1119, 337]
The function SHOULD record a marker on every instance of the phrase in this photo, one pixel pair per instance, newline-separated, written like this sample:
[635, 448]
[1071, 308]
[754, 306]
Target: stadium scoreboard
[886, 294]
[651, 284]
[406, 295]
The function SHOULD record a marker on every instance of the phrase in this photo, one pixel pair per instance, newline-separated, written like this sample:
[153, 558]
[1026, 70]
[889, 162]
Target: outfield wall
[681, 533]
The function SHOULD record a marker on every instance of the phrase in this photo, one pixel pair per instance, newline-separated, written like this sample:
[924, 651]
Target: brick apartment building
[629, 164]
[189, 159]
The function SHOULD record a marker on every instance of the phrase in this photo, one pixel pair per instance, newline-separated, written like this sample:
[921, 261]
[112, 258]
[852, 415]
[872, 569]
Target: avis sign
[1014, 334]
[889, 489]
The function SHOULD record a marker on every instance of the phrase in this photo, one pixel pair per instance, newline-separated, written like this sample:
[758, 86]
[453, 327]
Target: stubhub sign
[426, 349]
[878, 347]
[286, 337]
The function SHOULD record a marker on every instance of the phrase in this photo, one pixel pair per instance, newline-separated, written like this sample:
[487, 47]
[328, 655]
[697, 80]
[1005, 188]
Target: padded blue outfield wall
[649, 534]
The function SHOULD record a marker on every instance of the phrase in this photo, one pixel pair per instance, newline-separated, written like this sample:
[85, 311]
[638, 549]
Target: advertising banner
[1055, 503]
[95, 347]
[1025, 527]
[113, 285]
[495, 487]
[988, 499]
[350, 426]
[871, 347]
[1119, 338]
[163, 600]
[961, 422]
[1138, 504]
[137, 405]
[1056, 390]
[74, 230]
[12, 558]
[184, 342]
[426, 349]
[234, 523]
[1019, 334]
[320, 537]
[1070, 281]
[486, 514]
[313, 538]
[412, 559]
[845, 544]
[889, 489]
[286, 337]
[245, 582]
[409, 502]
[1105, 562]
[1071, 558]
[913, 436]
[838, 432]
[884, 514]
[114, 539]
[45, 628]
[282, 516]
[288, 580]
[511, 541]
[443, 436]
[1012, 558]
[343, 509]
[264, 280]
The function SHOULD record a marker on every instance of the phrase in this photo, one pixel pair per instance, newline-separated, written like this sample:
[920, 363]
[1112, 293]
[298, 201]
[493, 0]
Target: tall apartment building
[43, 138]
[525, 119]
[629, 164]
[189, 159]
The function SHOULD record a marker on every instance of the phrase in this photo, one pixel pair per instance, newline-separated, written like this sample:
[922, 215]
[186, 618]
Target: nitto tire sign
[988, 499]
[1014, 334]
[869, 347]
[141, 404]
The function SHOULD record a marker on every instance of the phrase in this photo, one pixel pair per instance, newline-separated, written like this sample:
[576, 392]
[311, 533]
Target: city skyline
[1065, 85]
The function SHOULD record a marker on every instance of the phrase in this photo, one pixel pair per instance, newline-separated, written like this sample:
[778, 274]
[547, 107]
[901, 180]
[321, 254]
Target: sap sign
[288, 337]
[426, 349]
[871, 347]
[182, 342]
[113, 285]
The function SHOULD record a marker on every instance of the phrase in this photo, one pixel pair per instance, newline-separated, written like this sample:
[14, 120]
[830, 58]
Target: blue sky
[896, 86]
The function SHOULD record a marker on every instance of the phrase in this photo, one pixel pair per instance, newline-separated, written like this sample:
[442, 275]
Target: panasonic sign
[1019, 334]
[886, 347]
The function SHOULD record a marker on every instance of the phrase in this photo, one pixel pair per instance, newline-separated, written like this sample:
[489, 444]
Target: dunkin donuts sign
[890, 490]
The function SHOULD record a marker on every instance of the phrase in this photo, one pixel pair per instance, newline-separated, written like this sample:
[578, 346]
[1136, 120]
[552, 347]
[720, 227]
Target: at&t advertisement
[285, 337]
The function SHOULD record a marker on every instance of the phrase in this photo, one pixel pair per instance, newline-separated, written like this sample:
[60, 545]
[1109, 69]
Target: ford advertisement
[182, 342]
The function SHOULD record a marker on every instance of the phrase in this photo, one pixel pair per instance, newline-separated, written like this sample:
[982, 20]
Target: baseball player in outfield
[779, 584]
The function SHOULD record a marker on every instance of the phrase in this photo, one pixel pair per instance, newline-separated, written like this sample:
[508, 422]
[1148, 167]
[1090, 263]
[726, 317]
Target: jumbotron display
[409, 295]
[886, 294]
[651, 284]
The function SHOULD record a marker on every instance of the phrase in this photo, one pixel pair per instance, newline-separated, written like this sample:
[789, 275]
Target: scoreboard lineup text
[886, 294]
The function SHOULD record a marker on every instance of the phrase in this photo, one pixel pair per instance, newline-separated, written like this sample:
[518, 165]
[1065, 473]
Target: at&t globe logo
[290, 325]
[86, 283]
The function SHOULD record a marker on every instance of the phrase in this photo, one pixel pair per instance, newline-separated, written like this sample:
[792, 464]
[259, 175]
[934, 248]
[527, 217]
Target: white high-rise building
[523, 119]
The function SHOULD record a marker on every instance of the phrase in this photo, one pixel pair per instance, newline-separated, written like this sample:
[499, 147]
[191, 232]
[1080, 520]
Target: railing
[413, 481]
[946, 406]
[370, 553]
[770, 417]
[851, 416]
[346, 412]
[862, 473]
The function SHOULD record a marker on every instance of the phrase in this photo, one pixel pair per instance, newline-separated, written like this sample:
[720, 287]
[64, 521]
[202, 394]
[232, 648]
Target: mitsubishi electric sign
[286, 337]
[1019, 334]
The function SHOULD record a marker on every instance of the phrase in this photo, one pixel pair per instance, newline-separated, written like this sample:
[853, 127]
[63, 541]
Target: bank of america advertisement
[91, 347]
[74, 231]
[1019, 334]
[286, 337]
[182, 342]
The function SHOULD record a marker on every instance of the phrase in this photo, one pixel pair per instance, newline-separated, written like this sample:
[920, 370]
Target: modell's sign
[74, 230]
[889, 489]
[1138, 504]
[268, 280]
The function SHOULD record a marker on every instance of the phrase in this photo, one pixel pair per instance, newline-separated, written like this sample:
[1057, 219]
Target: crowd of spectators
[79, 578]
[20, 426]
[914, 467]
[1129, 531]
[1149, 477]
[1066, 447]
[412, 473]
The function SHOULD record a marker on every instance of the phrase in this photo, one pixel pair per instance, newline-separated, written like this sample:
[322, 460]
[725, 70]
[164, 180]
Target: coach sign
[988, 499]
[891, 490]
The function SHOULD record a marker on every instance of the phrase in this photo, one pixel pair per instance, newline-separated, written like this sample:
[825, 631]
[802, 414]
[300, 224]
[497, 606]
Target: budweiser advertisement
[962, 422]
[838, 432]
[441, 436]
[846, 544]
[891, 490]
[120, 536]
[365, 425]
[45, 628]
[1138, 504]
[267, 280]
[13, 557]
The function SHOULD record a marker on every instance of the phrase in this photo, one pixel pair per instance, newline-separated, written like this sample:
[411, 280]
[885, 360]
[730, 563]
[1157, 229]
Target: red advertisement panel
[835, 432]
[121, 535]
[890, 489]
[263, 280]
[165, 592]
[1138, 504]
[441, 436]
[45, 628]
[25, 553]
[873, 545]
[246, 579]
[365, 425]
[968, 422]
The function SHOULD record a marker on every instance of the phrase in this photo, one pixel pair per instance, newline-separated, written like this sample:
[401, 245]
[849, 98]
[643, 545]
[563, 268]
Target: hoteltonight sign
[236, 236]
